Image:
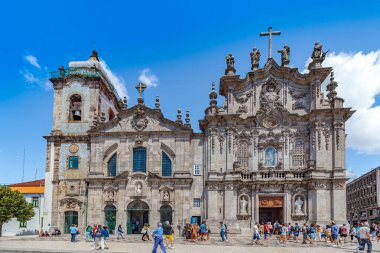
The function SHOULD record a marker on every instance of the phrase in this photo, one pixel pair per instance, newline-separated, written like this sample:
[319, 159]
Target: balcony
[273, 175]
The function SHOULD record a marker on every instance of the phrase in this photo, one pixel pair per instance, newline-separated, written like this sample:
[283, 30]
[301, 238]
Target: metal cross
[140, 87]
[269, 34]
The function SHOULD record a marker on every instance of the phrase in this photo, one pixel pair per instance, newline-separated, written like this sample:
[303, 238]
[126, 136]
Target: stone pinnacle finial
[94, 55]
[124, 106]
[179, 116]
[213, 95]
[331, 88]
[187, 119]
[157, 103]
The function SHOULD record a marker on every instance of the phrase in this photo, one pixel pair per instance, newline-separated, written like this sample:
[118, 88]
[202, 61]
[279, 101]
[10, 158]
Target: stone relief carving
[326, 133]
[70, 203]
[339, 185]
[338, 127]
[229, 187]
[213, 187]
[270, 122]
[242, 109]
[165, 196]
[138, 188]
[221, 143]
[243, 100]
[269, 95]
[139, 121]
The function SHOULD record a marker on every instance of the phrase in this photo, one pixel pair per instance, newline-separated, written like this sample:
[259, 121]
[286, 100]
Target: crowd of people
[163, 234]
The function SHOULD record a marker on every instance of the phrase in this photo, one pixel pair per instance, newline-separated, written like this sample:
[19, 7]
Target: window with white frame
[197, 202]
[197, 170]
[298, 153]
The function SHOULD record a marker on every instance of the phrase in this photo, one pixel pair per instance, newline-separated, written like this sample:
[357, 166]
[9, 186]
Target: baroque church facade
[274, 151]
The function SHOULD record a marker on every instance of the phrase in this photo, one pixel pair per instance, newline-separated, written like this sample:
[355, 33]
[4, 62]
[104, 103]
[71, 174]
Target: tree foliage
[13, 205]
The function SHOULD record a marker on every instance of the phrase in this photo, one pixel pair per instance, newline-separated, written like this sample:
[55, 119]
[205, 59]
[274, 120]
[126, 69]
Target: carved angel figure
[166, 196]
[243, 205]
[298, 205]
[255, 58]
[285, 54]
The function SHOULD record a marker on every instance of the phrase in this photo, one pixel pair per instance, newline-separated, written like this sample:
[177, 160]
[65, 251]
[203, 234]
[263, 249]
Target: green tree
[13, 205]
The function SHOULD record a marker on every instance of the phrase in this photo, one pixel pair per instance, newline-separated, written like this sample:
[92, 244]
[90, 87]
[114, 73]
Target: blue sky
[182, 43]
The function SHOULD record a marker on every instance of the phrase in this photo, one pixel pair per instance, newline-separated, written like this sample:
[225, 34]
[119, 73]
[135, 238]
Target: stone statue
[230, 60]
[298, 205]
[285, 53]
[230, 70]
[318, 56]
[138, 188]
[243, 205]
[166, 196]
[255, 59]
[111, 195]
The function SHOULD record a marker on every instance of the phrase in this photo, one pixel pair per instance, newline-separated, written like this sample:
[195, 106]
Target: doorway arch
[71, 217]
[137, 216]
[110, 217]
[166, 213]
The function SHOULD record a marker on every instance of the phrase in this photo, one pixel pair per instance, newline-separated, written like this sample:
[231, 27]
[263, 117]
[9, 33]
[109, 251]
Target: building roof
[36, 186]
[40, 182]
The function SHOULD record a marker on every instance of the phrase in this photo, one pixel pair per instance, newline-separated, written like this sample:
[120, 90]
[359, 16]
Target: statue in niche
[138, 188]
[298, 204]
[243, 205]
[111, 195]
[166, 196]
[270, 157]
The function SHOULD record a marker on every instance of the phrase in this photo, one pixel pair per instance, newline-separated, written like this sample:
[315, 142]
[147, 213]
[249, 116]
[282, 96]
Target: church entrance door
[71, 217]
[271, 209]
[110, 217]
[137, 215]
[166, 213]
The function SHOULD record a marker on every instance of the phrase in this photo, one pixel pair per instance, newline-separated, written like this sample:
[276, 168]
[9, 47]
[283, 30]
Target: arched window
[166, 165]
[270, 157]
[139, 159]
[111, 114]
[112, 166]
[298, 159]
[242, 154]
[75, 108]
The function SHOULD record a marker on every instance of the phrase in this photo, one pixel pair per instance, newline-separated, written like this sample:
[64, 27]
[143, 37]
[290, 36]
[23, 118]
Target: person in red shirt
[343, 231]
[266, 231]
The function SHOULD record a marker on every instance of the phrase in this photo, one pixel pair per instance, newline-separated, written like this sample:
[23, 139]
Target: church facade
[274, 151]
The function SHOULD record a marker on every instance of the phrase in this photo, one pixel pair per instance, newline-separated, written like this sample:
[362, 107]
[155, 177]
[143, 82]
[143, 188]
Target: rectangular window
[197, 202]
[197, 170]
[22, 224]
[73, 162]
[35, 201]
[139, 159]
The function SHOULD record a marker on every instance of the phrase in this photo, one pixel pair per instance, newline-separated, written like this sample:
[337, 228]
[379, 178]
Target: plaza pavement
[133, 244]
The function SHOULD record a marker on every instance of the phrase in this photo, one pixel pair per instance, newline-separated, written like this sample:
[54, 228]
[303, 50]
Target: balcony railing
[263, 175]
[84, 72]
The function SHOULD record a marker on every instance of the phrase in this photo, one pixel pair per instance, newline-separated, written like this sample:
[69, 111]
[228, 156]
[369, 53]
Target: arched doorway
[137, 215]
[110, 217]
[71, 217]
[166, 213]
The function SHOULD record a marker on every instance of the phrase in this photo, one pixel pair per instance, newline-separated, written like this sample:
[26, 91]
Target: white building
[33, 192]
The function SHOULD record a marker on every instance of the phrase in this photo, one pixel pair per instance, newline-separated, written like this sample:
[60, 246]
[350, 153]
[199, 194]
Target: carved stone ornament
[339, 185]
[270, 94]
[70, 203]
[73, 148]
[110, 194]
[243, 100]
[138, 188]
[270, 122]
[139, 121]
[242, 109]
[165, 196]
[213, 187]
[243, 205]
[229, 187]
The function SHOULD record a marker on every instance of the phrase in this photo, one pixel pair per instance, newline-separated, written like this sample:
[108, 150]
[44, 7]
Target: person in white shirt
[365, 238]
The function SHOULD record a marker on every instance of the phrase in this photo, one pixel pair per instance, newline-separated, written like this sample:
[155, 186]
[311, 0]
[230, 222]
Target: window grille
[35, 201]
[243, 154]
[197, 202]
[197, 170]
[298, 159]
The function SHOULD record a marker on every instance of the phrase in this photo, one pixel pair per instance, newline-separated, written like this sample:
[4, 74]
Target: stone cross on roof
[269, 34]
[140, 87]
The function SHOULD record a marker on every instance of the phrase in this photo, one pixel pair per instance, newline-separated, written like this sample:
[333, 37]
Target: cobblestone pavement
[133, 244]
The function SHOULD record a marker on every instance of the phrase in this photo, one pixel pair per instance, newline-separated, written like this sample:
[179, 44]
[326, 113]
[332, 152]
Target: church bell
[77, 113]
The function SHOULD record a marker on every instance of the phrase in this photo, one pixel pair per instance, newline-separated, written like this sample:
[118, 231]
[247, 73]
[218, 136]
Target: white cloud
[32, 79]
[116, 81]
[148, 78]
[32, 60]
[358, 77]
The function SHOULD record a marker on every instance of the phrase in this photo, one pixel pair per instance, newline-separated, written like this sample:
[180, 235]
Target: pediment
[140, 119]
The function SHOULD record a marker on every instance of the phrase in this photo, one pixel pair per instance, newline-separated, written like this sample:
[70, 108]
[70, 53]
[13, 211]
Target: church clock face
[270, 122]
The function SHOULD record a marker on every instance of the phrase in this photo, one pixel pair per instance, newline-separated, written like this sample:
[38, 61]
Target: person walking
[312, 232]
[256, 234]
[203, 231]
[120, 232]
[222, 231]
[343, 231]
[266, 231]
[145, 232]
[88, 237]
[334, 234]
[168, 234]
[297, 230]
[73, 231]
[104, 238]
[365, 238]
[304, 229]
[284, 233]
[158, 240]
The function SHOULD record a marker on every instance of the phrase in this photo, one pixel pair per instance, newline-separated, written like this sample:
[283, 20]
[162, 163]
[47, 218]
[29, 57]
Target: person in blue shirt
[73, 231]
[334, 233]
[158, 240]
[222, 231]
[105, 236]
